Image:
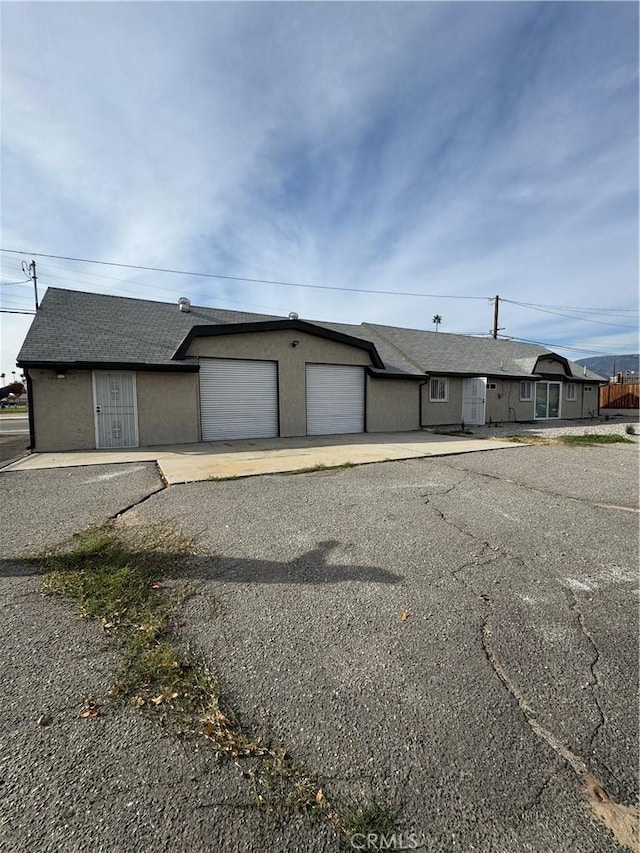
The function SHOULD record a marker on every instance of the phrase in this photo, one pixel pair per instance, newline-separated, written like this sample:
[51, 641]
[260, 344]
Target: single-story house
[109, 371]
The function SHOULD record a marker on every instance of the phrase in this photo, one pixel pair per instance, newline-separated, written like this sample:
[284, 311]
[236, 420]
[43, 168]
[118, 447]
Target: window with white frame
[439, 390]
[571, 392]
[526, 390]
[491, 386]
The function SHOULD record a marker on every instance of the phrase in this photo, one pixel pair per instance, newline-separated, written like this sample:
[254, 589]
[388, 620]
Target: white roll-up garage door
[335, 399]
[238, 399]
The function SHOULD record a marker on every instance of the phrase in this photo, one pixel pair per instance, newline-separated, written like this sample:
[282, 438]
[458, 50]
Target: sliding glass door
[547, 400]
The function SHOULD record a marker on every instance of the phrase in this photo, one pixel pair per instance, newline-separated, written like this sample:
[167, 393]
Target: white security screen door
[116, 411]
[238, 399]
[335, 399]
[474, 395]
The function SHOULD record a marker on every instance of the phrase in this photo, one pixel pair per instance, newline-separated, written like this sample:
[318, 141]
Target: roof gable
[275, 325]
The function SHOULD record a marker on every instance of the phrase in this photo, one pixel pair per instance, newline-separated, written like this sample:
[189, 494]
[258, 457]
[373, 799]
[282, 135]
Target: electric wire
[590, 349]
[580, 308]
[570, 316]
[155, 288]
[242, 278]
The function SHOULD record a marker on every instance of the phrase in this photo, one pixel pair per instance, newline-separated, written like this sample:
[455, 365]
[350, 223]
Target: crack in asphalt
[594, 681]
[548, 492]
[537, 797]
[428, 502]
[142, 500]
[621, 820]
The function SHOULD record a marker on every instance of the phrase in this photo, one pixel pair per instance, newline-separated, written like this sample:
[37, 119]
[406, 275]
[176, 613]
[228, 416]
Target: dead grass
[570, 440]
[321, 466]
[453, 432]
[118, 578]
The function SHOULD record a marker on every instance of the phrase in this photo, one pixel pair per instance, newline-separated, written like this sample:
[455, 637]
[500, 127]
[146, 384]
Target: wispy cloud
[455, 148]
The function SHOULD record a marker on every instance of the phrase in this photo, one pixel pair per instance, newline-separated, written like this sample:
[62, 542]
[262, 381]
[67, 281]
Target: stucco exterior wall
[585, 405]
[504, 404]
[168, 408]
[393, 405]
[550, 365]
[589, 396]
[276, 346]
[62, 410]
[440, 413]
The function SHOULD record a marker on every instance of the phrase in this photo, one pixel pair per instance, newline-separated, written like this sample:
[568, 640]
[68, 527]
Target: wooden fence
[625, 396]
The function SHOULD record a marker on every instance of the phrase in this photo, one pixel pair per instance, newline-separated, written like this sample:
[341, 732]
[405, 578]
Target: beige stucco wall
[504, 404]
[585, 405]
[450, 412]
[589, 394]
[62, 410]
[550, 365]
[276, 346]
[393, 405]
[168, 408]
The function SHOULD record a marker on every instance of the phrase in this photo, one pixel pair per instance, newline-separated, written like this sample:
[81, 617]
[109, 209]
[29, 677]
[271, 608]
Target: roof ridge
[429, 331]
[154, 301]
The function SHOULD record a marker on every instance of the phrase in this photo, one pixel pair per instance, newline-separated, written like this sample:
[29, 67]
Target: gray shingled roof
[73, 326]
[439, 352]
[394, 360]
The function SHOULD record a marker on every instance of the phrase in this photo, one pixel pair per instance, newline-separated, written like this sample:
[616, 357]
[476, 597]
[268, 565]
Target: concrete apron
[187, 463]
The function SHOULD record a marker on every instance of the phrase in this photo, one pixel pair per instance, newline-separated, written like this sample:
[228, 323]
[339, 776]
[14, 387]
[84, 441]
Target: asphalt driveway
[14, 436]
[515, 664]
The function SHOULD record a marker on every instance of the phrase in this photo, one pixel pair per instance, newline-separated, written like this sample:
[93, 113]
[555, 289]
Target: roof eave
[377, 373]
[177, 367]
[276, 325]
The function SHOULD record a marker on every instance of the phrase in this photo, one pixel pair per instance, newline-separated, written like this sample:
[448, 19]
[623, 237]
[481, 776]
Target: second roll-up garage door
[238, 399]
[335, 399]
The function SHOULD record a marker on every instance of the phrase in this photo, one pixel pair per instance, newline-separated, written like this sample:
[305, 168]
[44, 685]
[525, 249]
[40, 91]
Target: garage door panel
[335, 399]
[238, 399]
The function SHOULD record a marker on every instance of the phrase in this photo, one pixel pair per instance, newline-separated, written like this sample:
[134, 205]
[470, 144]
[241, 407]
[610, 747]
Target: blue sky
[455, 149]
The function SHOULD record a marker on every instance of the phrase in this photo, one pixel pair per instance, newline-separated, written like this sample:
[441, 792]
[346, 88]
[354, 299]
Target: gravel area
[592, 426]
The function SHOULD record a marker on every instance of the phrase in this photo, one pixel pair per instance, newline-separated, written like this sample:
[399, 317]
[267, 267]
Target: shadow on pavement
[309, 568]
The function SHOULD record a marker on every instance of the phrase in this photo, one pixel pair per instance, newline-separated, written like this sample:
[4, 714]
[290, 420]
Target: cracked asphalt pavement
[517, 664]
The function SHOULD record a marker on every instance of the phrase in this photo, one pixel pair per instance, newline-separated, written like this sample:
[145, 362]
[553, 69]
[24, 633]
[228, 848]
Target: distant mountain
[608, 365]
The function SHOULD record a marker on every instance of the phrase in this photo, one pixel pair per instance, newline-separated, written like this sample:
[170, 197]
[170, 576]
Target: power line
[590, 349]
[15, 311]
[575, 307]
[241, 278]
[151, 287]
[12, 283]
[569, 316]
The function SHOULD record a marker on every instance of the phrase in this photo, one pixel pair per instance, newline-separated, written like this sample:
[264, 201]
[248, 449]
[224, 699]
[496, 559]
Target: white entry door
[116, 410]
[474, 395]
[335, 399]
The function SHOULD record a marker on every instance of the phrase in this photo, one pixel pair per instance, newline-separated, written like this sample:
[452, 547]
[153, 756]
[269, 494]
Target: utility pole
[496, 309]
[30, 271]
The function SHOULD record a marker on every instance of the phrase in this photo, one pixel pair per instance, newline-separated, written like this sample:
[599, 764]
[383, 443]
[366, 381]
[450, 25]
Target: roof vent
[293, 315]
[184, 304]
